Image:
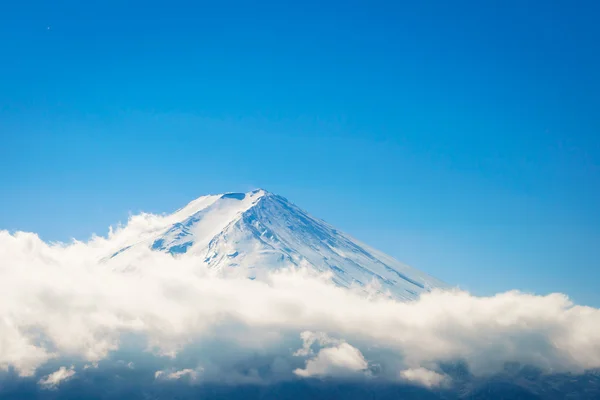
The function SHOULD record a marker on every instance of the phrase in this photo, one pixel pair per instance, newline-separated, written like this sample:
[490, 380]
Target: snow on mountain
[253, 233]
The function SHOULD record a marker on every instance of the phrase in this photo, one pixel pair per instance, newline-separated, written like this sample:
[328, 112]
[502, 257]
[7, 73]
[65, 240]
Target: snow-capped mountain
[256, 232]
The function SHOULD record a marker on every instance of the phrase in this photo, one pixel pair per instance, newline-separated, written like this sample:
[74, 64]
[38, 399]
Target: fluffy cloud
[71, 302]
[424, 377]
[341, 360]
[56, 378]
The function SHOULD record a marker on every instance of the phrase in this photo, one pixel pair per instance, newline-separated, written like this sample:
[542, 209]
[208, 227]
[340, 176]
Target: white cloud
[176, 375]
[341, 360]
[309, 338]
[56, 378]
[424, 377]
[69, 302]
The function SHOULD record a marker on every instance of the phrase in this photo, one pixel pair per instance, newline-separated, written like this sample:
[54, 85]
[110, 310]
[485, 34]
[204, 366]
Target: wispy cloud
[424, 377]
[57, 377]
[176, 375]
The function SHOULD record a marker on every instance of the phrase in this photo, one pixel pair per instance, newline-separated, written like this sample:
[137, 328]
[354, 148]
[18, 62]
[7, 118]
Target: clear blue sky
[461, 137]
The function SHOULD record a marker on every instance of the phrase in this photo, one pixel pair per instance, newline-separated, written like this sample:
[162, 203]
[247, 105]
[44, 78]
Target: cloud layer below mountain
[64, 310]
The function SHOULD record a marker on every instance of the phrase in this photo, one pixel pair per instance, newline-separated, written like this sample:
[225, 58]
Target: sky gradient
[461, 138]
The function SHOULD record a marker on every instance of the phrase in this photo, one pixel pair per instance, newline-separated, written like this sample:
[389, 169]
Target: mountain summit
[256, 232]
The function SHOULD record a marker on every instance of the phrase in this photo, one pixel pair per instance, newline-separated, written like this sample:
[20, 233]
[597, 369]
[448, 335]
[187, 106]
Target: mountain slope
[252, 233]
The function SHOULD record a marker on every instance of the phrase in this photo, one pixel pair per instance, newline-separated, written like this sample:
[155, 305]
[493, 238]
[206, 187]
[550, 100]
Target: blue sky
[462, 138]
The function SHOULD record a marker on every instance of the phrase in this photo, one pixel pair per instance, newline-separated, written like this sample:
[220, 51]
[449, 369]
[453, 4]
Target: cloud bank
[70, 307]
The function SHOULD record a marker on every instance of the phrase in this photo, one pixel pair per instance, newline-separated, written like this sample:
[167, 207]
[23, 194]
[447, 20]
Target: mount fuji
[251, 234]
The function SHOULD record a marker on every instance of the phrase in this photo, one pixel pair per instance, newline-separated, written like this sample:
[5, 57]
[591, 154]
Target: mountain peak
[253, 233]
[241, 196]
